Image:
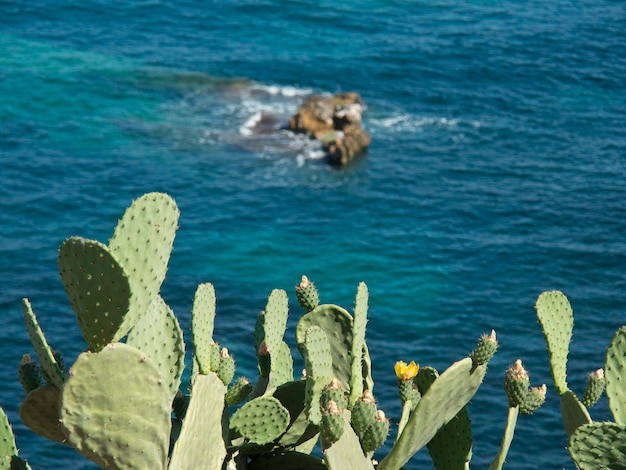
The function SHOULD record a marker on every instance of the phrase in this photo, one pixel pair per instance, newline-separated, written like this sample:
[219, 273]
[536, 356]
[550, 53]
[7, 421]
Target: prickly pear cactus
[142, 242]
[346, 452]
[40, 412]
[260, 421]
[43, 350]
[557, 322]
[238, 391]
[307, 294]
[598, 445]
[29, 374]
[200, 443]
[122, 387]
[8, 450]
[202, 325]
[614, 368]
[98, 288]
[485, 349]
[596, 383]
[318, 361]
[159, 336]
[358, 342]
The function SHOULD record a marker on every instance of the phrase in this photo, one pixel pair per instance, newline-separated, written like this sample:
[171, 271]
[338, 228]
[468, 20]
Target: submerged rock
[336, 122]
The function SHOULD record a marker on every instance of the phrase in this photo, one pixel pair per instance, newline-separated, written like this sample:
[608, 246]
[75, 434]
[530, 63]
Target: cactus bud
[307, 294]
[376, 433]
[331, 424]
[534, 399]
[595, 387]
[30, 374]
[363, 413]
[334, 392]
[516, 383]
[238, 391]
[485, 349]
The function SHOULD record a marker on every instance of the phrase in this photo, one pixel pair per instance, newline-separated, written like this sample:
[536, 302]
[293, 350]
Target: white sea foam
[286, 91]
[251, 123]
[407, 122]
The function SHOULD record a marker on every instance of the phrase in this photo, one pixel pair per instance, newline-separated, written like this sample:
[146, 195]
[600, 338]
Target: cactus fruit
[614, 373]
[160, 337]
[535, 397]
[516, 383]
[334, 392]
[202, 324]
[238, 391]
[142, 242]
[43, 350]
[29, 374]
[598, 445]
[98, 288]
[594, 389]
[485, 349]
[260, 421]
[201, 443]
[307, 294]
[375, 434]
[331, 424]
[40, 412]
[557, 322]
[137, 415]
[226, 369]
[363, 413]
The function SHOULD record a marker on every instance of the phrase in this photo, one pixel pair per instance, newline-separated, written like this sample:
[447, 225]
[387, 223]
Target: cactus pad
[358, 342]
[376, 433]
[142, 242]
[40, 412]
[615, 374]
[261, 420]
[200, 444]
[319, 368]
[598, 445]
[43, 350]
[158, 334]
[557, 322]
[122, 387]
[444, 399]
[573, 412]
[98, 288]
[346, 452]
[7, 439]
[202, 324]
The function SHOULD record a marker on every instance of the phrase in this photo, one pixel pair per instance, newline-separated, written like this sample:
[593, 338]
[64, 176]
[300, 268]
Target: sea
[497, 170]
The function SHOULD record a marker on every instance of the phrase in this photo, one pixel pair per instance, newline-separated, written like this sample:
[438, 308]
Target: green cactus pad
[319, 369]
[40, 412]
[122, 387]
[358, 342]
[274, 319]
[200, 443]
[13, 462]
[98, 288]
[337, 324]
[7, 439]
[43, 350]
[615, 373]
[281, 369]
[598, 445]
[202, 325]
[29, 374]
[226, 369]
[307, 295]
[158, 334]
[573, 412]
[594, 389]
[443, 400]
[238, 391]
[451, 448]
[260, 421]
[142, 242]
[346, 452]
[557, 321]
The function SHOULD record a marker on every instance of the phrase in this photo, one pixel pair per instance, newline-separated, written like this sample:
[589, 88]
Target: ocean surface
[497, 170]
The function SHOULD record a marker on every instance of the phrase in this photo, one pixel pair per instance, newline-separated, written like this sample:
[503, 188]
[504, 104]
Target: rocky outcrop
[336, 122]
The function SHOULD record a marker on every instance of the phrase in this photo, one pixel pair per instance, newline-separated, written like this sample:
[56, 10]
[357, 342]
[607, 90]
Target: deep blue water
[496, 171]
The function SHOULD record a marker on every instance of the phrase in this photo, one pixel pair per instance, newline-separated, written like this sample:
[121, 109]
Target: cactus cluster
[130, 376]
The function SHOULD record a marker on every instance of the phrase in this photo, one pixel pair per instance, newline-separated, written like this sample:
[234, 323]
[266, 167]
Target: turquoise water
[496, 171]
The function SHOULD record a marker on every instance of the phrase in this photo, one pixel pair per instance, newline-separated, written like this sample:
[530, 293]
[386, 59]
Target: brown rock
[336, 122]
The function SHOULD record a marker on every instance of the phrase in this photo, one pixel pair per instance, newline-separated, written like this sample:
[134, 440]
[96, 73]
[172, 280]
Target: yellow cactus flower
[406, 371]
